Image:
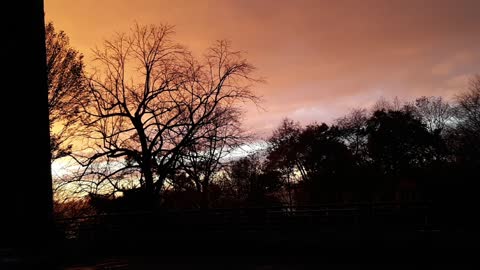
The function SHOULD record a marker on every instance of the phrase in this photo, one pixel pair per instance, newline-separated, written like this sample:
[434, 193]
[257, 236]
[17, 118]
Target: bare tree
[388, 105]
[434, 112]
[466, 133]
[65, 80]
[214, 142]
[152, 101]
[353, 130]
[469, 106]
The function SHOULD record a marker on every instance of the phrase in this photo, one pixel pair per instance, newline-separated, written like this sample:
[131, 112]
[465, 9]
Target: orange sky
[320, 57]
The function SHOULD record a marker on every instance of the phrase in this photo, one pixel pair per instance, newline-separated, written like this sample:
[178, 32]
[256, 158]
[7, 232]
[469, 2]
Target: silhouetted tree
[353, 130]
[469, 102]
[397, 141]
[456, 192]
[283, 155]
[468, 123]
[152, 101]
[66, 89]
[388, 105]
[402, 150]
[181, 192]
[215, 140]
[327, 162]
[314, 157]
[251, 184]
[434, 112]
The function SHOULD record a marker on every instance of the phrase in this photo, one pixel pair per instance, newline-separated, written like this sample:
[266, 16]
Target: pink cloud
[320, 58]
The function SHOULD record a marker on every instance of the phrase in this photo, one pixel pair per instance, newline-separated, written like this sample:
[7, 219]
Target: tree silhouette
[152, 101]
[282, 153]
[206, 156]
[315, 153]
[468, 123]
[252, 185]
[283, 156]
[398, 141]
[327, 162]
[353, 131]
[66, 89]
[434, 112]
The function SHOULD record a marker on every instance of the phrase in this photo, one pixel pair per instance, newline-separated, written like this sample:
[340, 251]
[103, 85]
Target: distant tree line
[426, 150]
[155, 126]
[421, 151]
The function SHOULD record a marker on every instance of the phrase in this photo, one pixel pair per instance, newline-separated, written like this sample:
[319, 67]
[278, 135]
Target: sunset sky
[320, 58]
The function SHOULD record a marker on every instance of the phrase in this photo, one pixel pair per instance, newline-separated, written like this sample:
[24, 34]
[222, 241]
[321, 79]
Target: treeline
[423, 151]
[155, 127]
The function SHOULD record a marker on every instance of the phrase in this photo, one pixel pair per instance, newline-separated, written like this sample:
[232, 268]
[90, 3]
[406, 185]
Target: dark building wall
[26, 176]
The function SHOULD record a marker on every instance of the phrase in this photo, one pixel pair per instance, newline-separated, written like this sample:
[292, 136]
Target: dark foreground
[257, 239]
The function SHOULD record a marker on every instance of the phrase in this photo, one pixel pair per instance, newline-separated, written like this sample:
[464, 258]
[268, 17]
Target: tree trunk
[147, 168]
[148, 174]
[205, 204]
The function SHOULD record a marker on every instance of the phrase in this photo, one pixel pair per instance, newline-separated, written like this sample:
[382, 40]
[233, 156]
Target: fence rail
[335, 217]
